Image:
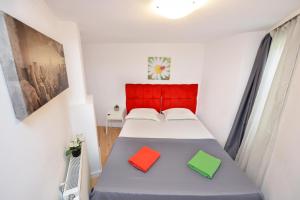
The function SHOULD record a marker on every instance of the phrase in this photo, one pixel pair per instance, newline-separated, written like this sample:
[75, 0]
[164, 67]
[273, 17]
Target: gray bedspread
[170, 178]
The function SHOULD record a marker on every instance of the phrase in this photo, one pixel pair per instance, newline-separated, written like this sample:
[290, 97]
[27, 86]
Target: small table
[114, 116]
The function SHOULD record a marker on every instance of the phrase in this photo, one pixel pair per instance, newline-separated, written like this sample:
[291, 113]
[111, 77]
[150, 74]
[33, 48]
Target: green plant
[74, 145]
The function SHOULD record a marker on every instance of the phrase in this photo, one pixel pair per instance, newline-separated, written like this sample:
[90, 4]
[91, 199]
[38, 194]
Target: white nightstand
[114, 116]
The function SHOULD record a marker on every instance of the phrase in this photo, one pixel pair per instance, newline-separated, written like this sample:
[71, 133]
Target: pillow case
[179, 114]
[143, 113]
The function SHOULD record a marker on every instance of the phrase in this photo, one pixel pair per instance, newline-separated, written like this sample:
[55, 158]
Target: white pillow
[179, 114]
[143, 113]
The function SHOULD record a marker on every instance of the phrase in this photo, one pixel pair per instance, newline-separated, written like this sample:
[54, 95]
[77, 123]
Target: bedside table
[114, 116]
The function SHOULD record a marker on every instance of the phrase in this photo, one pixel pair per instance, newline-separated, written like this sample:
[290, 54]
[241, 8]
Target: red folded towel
[144, 158]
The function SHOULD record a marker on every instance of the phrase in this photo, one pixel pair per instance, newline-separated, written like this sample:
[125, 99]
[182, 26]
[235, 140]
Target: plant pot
[76, 153]
[116, 108]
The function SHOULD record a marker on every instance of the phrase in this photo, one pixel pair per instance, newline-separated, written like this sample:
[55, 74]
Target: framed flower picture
[159, 68]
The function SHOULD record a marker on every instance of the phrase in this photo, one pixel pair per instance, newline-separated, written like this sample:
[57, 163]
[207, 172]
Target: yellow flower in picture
[159, 68]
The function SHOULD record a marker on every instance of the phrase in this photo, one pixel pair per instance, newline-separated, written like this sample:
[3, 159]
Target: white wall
[227, 66]
[70, 35]
[110, 66]
[32, 161]
[83, 121]
[82, 114]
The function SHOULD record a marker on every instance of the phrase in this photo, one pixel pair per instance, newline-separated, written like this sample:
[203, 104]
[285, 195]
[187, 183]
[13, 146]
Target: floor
[106, 142]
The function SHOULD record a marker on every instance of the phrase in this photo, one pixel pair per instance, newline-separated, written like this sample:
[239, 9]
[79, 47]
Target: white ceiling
[132, 21]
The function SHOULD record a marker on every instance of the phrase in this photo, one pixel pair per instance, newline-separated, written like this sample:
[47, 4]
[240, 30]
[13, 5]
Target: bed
[177, 141]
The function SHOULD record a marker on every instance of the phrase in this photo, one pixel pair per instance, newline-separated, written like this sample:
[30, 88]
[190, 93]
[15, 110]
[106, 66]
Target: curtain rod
[285, 20]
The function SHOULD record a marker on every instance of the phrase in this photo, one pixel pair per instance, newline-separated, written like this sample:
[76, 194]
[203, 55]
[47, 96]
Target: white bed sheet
[175, 129]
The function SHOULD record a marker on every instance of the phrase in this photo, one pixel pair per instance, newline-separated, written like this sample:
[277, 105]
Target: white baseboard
[96, 173]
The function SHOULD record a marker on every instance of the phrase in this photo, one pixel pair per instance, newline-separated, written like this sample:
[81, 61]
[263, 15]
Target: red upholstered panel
[143, 96]
[161, 97]
[180, 96]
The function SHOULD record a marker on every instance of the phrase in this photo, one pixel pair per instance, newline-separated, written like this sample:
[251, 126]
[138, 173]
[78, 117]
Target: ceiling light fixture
[174, 9]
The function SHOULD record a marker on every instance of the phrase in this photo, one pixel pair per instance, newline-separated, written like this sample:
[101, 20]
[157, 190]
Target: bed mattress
[170, 178]
[175, 129]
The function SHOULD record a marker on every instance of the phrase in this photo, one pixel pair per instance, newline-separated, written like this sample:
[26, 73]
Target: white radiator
[76, 186]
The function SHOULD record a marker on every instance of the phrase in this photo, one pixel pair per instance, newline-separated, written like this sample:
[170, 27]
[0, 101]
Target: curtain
[278, 42]
[240, 123]
[261, 132]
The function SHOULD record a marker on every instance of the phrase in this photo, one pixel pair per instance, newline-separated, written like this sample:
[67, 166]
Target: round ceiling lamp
[175, 9]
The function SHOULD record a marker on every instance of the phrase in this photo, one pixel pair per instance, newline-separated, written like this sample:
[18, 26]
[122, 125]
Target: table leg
[106, 131]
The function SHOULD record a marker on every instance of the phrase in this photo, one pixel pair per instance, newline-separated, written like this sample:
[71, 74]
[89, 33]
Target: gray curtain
[240, 123]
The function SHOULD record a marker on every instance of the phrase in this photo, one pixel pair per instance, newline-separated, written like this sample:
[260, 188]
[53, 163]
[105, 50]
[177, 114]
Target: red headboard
[161, 97]
[143, 96]
[180, 96]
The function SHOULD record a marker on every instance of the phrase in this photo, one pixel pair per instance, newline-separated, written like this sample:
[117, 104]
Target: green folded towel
[205, 164]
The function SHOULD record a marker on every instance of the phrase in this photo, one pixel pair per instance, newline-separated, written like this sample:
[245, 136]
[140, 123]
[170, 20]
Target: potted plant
[74, 147]
[116, 108]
